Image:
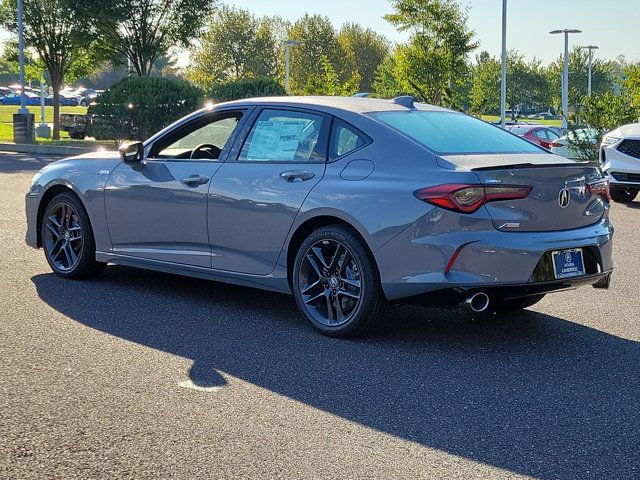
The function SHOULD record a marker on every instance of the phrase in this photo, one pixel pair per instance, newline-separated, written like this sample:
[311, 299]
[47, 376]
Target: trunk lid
[560, 198]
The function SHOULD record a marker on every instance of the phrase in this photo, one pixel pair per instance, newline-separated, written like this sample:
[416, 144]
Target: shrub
[245, 88]
[137, 107]
[602, 112]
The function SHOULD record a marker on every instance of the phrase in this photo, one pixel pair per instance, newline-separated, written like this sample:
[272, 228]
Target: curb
[45, 149]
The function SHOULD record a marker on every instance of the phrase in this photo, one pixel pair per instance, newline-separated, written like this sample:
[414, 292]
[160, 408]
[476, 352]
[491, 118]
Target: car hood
[626, 131]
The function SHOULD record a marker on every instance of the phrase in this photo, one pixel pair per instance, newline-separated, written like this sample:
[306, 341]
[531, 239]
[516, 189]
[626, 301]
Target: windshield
[455, 133]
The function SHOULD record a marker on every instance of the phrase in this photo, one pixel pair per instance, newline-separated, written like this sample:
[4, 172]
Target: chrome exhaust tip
[478, 302]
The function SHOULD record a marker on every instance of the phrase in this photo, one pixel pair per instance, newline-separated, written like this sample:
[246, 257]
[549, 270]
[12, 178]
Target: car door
[156, 209]
[256, 196]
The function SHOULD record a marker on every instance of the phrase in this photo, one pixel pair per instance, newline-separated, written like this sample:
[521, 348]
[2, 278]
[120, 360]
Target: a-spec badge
[510, 225]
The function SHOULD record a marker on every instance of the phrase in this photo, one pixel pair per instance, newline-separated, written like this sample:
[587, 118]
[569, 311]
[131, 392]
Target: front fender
[87, 179]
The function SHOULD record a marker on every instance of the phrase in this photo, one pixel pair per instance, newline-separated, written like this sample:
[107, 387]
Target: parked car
[538, 134]
[620, 158]
[347, 203]
[573, 143]
[13, 98]
[75, 125]
[65, 99]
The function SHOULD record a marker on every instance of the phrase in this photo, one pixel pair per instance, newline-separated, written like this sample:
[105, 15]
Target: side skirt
[276, 281]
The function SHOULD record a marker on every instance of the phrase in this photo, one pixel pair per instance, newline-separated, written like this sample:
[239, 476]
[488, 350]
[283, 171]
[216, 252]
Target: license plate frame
[568, 263]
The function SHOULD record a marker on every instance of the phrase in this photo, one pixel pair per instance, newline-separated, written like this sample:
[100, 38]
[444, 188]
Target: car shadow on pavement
[529, 393]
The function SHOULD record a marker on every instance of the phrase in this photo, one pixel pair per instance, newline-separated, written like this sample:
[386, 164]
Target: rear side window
[345, 139]
[541, 134]
[283, 136]
[455, 133]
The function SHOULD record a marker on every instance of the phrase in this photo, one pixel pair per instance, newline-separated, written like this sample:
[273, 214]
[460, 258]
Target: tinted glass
[449, 133]
[215, 133]
[345, 139]
[541, 134]
[282, 136]
[552, 135]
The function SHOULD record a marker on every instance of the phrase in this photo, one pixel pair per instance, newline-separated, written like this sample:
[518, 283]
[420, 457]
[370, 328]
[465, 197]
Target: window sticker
[276, 140]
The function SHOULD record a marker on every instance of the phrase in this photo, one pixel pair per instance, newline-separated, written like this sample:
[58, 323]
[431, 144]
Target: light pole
[503, 71]
[565, 75]
[23, 108]
[591, 48]
[287, 46]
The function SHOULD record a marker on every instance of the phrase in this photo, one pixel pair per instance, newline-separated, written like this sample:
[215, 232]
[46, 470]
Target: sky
[613, 25]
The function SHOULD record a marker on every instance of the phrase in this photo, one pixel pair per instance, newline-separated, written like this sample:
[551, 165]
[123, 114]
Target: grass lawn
[6, 127]
[7, 111]
[553, 123]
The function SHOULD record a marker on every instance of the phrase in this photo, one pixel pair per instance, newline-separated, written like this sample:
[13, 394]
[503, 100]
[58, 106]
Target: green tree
[526, 83]
[327, 82]
[385, 83]
[436, 53]
[631, 73]
[485, 89]
[362, 50]
[235, 45]
[601, 77]
[61, 37]
[318, 39]
[245, 88]
[142, 31]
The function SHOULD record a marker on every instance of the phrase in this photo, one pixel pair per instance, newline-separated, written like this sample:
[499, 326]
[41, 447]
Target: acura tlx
[349, 204]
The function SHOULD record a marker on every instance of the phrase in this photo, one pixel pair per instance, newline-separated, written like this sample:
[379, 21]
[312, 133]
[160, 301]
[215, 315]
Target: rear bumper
[454, 296]
[414, 262]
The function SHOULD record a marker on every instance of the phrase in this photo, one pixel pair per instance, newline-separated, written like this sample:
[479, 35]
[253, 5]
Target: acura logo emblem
[564, 198]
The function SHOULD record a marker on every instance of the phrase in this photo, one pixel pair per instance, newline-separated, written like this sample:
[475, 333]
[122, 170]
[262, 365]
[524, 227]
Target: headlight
[607, 140]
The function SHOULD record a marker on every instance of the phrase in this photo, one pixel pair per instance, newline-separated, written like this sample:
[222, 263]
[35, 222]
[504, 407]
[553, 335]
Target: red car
[538, 134]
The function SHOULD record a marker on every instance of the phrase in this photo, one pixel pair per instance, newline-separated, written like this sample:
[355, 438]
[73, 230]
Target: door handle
[297, 176]
[194, 180]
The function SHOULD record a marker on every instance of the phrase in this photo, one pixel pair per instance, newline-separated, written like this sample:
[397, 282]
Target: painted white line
[192, 386]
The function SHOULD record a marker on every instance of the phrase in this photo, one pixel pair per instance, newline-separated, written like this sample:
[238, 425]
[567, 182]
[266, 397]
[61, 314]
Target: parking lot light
[591, 48]
[287, 47]
[565, 83]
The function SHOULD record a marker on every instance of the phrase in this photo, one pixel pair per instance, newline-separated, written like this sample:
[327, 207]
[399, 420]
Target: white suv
[620, 158]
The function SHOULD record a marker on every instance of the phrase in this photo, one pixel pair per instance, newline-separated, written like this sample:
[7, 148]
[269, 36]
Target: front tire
[624, 195]
[336, 284]
[67, 238]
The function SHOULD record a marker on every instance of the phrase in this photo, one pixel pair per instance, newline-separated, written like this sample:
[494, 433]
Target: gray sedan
[351, 204]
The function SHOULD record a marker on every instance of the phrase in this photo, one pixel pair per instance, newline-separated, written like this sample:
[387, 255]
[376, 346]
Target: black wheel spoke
[63, 238]
[53, 230]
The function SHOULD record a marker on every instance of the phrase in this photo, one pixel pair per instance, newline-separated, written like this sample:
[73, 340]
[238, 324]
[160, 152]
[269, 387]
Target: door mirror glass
[131, 152]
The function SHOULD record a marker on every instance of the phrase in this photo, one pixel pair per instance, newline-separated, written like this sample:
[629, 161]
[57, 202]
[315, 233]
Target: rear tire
[624, 195]
[67, 238]
[336, 283]
[516, 304]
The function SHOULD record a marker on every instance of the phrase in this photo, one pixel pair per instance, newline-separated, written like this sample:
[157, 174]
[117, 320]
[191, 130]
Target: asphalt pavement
[145, 375]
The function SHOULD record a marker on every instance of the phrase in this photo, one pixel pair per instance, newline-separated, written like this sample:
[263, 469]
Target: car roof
[351, 104]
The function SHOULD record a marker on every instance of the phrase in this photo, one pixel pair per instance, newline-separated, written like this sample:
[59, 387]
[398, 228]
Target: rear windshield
[448, 133]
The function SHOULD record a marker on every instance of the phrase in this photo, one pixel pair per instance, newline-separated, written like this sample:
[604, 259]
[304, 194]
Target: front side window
[345, 139]
[454, 133]
[204, 138]
[283, 136]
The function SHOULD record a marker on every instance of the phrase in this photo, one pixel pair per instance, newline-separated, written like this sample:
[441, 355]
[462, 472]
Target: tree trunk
[56, 84]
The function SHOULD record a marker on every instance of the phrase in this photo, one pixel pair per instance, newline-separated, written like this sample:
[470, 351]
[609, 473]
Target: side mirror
[131, 152]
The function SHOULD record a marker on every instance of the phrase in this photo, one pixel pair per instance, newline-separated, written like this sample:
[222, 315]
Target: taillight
[556, 144]
[601, 189]
[468, 198]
